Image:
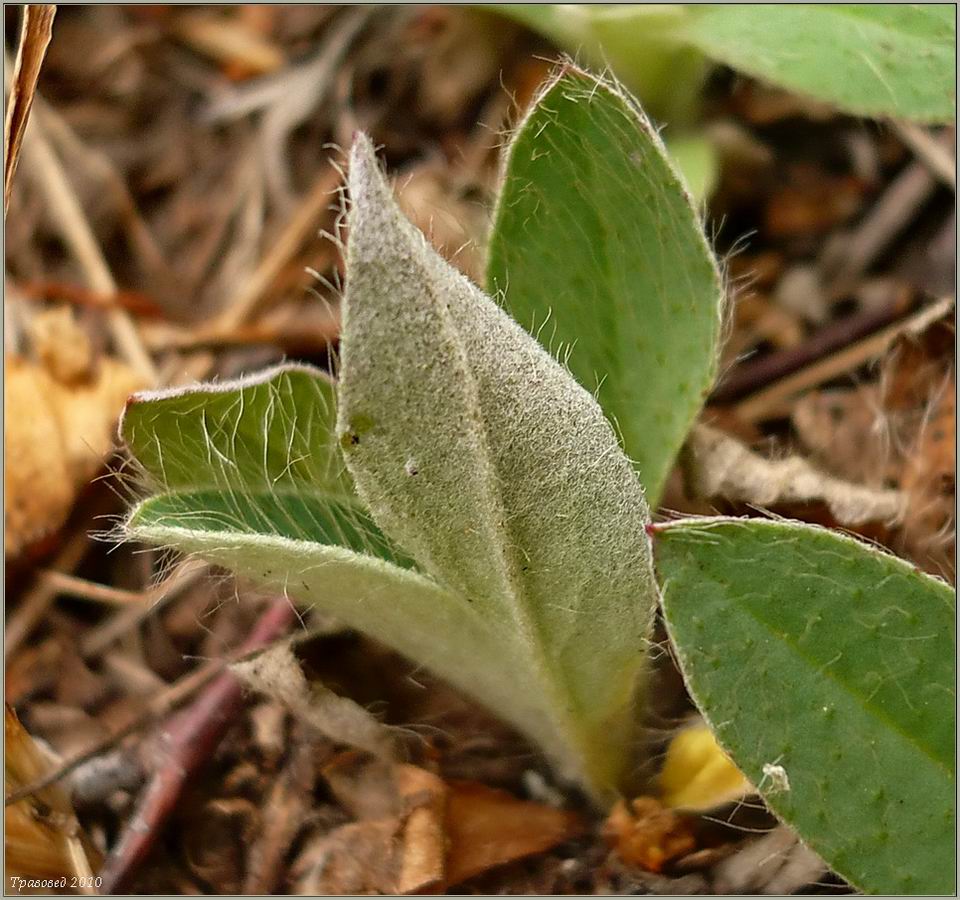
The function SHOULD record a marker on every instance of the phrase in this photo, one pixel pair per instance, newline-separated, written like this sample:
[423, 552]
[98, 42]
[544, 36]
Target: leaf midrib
[523, 611]
[873, 711]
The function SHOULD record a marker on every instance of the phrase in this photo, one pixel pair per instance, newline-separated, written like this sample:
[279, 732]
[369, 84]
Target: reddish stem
[186, 742]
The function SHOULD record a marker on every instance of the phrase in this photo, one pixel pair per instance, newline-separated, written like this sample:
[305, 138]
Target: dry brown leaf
[441, 833]
[900, 431]
[847, 432]
[34, 40]
[230, 41]
[718, 466]
[37, 482]
[42, 837]
[56, 439]
[358, 858]
[423, 841]
[399, 853]
[647, 834]
[487, 827]
[811, 202]
[920, 401]
[932, 468]
[277, 674]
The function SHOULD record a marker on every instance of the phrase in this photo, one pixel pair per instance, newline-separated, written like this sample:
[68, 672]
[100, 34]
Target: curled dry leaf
[718, 466]
[399, 851]
[901, 430]
[42, 837]
[647, 834]
[488, 827]
[60, 424]
[276, 673]
[423, 840]
[418, 833]
[847, 432]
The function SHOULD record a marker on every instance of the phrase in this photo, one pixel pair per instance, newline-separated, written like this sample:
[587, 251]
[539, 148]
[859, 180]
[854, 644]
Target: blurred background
[169, 221]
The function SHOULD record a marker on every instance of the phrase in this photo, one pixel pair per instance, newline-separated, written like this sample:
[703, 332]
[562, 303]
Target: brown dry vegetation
[165, 224]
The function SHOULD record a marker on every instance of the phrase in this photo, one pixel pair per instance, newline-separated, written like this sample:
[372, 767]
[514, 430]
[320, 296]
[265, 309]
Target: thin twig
[186, 742]
[301, 225]
[314, 337]
[304, 222]
[160, 704]
[37, 599]
[848, 255]
[98, 639]
[82, 589]
[774, 398]
[306, 87]
[102, 172]
[755, 374]
[136, 302]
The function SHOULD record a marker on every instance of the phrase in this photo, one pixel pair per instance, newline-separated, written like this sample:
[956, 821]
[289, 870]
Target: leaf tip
[366, 180]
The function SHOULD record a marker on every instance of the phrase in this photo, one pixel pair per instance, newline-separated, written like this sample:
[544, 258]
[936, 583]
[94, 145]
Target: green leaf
[402, 608]
[597, 249]
[637, 42]
[480, 456]
[313, 517]
[695, 158]
[874, 59]
[257, 455]
[251, 477]
[879, 59]
[272, 431]
[827, 669]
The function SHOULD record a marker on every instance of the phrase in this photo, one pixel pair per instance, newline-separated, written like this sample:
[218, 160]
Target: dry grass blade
[34, 40]
[51, 179]
[717, 465]
[772, 400]
[931, 151]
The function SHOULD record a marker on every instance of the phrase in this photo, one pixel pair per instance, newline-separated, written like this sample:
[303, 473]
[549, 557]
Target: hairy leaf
[301, 516]
[636, 41]
[872, 59]
[827, 670]
[269, 432]
[879, 59]
[597, 249]
[480, 456]
[400, 607]
[256, 455]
